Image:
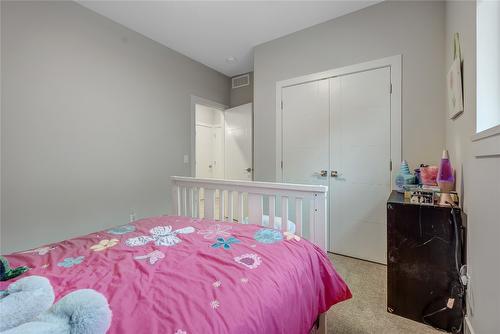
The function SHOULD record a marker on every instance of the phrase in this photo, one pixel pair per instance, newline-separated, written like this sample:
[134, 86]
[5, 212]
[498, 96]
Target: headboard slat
[272, 209]
[298, 216]
[284, 213]
[255, 209]
[228, 199]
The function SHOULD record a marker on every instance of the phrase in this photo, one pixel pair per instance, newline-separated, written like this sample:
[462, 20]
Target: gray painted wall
[414, 29]
[242, 95]
[477, 179]
[94, 121]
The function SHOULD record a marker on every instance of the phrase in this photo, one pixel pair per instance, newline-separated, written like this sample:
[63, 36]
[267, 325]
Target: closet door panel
[360, 157]
[306, 132]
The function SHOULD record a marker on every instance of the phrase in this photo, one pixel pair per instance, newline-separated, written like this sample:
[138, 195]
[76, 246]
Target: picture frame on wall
[454, 82]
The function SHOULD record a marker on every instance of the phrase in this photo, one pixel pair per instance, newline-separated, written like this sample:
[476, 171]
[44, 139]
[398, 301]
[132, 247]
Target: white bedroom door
[238, 142]
[204, 151]
[360, 177]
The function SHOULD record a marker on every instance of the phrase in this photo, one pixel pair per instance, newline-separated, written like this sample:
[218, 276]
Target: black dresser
[421, 268]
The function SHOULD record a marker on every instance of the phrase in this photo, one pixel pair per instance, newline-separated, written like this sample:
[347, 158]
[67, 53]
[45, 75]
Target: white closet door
[305, 126]
[360, 159]
[238, 143]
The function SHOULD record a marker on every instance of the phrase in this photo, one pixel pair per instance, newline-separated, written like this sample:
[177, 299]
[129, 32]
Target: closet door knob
[334, 173]
[323, 173]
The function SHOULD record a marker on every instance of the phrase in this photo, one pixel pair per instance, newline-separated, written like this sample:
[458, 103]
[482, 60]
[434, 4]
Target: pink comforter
[182, 275]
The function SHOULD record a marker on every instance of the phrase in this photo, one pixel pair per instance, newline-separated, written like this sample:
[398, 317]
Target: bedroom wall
[412, 28]
[477, 179]
[94, 120]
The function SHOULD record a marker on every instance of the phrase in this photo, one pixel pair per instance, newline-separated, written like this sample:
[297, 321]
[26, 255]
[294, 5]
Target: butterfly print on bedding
[161, 236]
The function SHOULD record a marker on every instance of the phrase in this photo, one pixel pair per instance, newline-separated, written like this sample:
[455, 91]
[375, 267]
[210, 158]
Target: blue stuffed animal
[26, 308]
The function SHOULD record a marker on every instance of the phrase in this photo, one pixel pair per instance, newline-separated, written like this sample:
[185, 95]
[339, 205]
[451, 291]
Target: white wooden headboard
[230, 201]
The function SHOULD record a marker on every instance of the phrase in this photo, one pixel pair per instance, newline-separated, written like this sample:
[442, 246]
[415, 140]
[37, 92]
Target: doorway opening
[222, 144]
[209, 142]
[222, 141]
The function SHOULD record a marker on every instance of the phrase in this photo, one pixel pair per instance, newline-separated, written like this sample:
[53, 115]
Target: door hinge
[390, 165]
[281, 164]
[390, 88]
[281, 104]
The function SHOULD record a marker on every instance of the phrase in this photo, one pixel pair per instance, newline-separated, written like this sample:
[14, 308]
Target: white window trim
[487, 142]
[487, 133]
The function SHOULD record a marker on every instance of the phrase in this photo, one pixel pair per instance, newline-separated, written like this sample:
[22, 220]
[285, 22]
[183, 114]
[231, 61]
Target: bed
[182, 274]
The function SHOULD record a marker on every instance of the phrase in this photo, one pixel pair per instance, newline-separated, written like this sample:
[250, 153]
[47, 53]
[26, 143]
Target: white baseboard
[468, 326]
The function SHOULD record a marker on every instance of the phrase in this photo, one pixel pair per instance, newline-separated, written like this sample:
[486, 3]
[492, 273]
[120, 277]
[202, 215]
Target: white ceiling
[212, 31]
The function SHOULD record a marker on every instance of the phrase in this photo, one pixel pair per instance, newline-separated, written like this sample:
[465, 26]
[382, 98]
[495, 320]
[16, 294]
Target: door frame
[395, 65]
[192, 126]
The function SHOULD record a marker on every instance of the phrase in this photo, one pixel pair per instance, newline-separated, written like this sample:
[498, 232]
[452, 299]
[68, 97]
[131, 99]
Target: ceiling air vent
[240, 81]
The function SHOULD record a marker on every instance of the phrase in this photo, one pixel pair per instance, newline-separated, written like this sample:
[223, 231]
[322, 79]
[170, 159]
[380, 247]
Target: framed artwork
[454, 81]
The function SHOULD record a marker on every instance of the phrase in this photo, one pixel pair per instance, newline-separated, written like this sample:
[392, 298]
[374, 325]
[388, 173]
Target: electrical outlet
[186, 159]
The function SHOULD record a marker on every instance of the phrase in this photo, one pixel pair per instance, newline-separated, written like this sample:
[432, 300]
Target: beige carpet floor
[366, 311]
